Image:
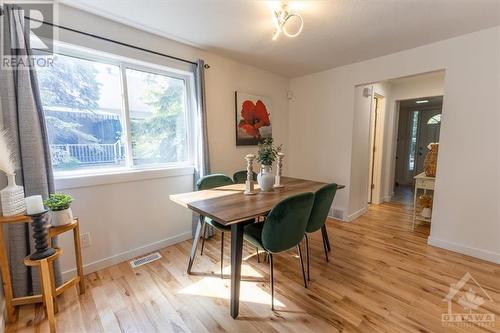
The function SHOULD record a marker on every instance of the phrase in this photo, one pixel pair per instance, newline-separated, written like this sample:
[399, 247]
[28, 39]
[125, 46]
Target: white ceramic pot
[61, 217]
[265, 178]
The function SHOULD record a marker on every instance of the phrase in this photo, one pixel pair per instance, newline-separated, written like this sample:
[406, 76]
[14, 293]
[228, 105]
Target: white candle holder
[277, 182]
[249, 184]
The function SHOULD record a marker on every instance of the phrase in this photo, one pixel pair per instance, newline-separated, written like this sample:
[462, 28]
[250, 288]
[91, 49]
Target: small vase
[61, 217]
[265, 178]
[12, 198]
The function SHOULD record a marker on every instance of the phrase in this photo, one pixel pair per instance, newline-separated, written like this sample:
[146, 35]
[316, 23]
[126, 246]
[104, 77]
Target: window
[413, 140]
[157, 118]
[434, 120]
[104, 114]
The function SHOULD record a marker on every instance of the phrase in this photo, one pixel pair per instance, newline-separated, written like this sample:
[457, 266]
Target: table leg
[78, 255]
[325, 237]
[199, 227]
[414, 208]
[47, 294]
[236, 256]
[7, 284]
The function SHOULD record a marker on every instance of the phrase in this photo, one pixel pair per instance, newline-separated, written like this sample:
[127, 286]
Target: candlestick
[34, 205]
[277, 182]
[249, 189]
[40, 235]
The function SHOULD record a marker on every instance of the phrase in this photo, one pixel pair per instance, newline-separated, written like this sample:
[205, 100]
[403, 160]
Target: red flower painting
[254, 117]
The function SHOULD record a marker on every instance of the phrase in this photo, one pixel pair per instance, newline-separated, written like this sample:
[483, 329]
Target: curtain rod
[114, 41]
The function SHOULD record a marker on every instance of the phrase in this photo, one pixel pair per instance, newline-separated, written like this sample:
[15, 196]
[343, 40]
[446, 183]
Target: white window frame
[124, 63]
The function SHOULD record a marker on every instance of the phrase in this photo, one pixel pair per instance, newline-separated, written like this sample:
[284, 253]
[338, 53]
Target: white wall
[133, 216]
[431, 84]
[466, 215]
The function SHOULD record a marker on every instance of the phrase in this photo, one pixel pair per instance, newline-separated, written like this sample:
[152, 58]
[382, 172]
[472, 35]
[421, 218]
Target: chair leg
[204, 235]
[307, 258]
[222, 256]
[325, 247]
[258, 257]
[272, 279]
[302, 265]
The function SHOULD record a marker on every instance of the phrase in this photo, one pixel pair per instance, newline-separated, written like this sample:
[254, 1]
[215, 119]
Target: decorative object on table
[266, 156]
[279, 166]
[249, 189]
[12, 196]
[426, 204]
[38, 214]
[430, 161]
[253, 122]
[59, 205]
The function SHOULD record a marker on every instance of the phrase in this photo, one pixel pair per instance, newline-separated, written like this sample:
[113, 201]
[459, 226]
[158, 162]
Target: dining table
[230, 207]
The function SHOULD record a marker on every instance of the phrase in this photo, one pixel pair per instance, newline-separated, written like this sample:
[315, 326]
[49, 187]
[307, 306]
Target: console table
[425, 183]
[10, 301]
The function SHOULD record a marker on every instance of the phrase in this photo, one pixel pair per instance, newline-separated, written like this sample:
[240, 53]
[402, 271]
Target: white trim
[355, 215]
[121, 176]
[128, 255]
[467, 250]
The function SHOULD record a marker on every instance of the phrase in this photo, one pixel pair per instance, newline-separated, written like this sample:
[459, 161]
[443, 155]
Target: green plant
[267, 152]
[58, 201]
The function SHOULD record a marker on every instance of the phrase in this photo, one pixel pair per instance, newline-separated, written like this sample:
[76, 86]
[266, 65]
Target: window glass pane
[82, 104]
[434, 120]
[157, 118]
[413, 140]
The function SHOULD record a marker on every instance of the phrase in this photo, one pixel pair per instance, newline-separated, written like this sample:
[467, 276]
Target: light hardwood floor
[381, 278]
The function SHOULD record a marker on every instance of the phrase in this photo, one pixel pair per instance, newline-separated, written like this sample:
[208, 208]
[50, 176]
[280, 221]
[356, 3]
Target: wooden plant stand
[10, 301]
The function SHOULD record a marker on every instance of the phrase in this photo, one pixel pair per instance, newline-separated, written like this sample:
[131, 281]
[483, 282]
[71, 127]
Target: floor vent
[145, 260]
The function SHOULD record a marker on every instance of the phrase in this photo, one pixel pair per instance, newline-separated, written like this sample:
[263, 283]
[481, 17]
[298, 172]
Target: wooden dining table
[229, 206]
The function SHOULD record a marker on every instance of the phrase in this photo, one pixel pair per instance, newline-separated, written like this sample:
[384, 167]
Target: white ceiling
[336, 32]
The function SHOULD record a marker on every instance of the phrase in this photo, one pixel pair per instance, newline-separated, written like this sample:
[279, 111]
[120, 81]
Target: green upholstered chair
[323, 199]
[205, 183]
[283, 229]
[240, 177]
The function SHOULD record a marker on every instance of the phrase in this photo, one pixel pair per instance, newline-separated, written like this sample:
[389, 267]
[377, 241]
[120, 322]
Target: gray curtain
[23, 117]
[202, 160]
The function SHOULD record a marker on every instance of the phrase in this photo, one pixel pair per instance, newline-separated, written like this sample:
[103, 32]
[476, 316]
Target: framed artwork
[253, 119]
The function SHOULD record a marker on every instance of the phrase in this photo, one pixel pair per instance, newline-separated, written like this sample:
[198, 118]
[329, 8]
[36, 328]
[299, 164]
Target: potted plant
[59, 205]
[266, 156]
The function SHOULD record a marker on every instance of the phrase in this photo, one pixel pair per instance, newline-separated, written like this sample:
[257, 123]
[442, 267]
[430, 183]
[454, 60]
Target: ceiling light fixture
[280, 17]
[422, 101]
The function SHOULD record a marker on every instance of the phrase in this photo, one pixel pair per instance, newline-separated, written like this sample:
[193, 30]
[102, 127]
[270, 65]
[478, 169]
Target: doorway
[374, 156]
[419, 125]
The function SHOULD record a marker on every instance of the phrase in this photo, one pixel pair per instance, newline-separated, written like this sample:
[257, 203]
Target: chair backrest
[286, 223]
[323, 199]
[240, 177]
[214, 180]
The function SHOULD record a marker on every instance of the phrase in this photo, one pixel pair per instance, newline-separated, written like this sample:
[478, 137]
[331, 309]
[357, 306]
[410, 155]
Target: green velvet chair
[283, 229]
[323, 199]
[240, 177]
[205, 183]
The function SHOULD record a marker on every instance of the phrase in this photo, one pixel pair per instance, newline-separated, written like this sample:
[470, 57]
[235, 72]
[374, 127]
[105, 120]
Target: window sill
[63, 182]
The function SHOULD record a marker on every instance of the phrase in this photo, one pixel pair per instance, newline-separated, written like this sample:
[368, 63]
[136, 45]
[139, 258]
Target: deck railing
[98, 153]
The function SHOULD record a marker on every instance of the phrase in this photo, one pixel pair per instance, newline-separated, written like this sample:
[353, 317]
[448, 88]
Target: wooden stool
[48, 284]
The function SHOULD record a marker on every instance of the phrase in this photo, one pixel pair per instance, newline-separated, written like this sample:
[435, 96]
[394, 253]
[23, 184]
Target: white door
[429, 126]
